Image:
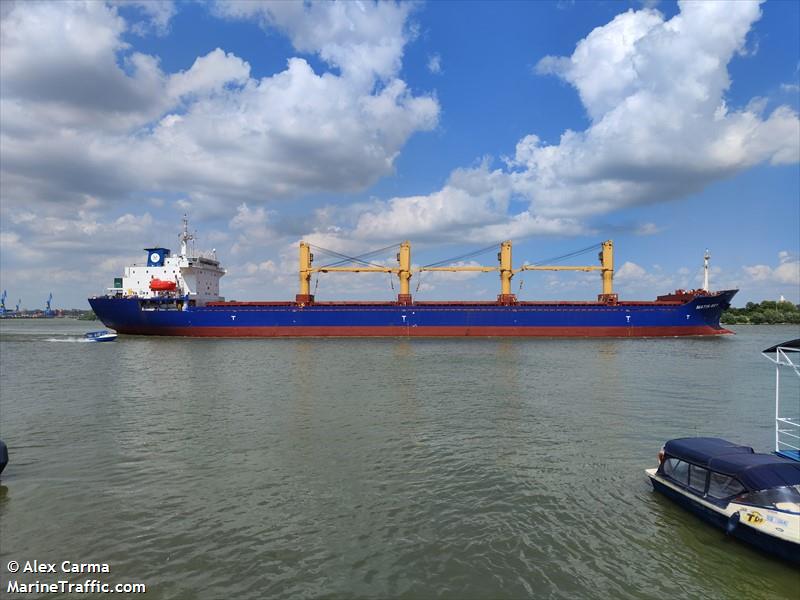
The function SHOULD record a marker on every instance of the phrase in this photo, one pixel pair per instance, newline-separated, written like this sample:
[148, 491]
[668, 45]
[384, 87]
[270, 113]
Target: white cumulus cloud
[786, 272]
[363, 39]
[660, 129]
[435, 64]
[82, 114]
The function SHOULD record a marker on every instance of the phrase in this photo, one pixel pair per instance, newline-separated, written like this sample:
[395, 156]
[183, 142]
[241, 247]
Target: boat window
[697, 478]
[676, 469]
[782, 498]
[721, 486]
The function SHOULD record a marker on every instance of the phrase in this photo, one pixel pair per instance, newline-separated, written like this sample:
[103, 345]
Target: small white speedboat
[101, 336]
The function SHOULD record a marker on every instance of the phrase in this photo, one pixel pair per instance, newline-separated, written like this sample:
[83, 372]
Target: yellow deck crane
[505, 268]
[507, 271]
[606, 269]
[403, 272]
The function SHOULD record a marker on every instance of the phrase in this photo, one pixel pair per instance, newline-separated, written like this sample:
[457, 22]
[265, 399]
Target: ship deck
[445, 303]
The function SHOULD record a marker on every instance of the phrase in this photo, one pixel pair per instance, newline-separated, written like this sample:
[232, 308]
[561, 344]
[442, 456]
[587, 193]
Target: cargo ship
[178, 295]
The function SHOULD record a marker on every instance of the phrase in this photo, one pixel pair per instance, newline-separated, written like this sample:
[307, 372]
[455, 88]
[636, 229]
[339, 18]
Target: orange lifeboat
[159, 285]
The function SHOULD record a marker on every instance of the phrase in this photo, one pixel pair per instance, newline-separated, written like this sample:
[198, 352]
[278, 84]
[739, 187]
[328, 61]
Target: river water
[369, 468]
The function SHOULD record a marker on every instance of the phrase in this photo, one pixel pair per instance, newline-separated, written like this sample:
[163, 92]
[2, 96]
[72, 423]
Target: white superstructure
[195, 276]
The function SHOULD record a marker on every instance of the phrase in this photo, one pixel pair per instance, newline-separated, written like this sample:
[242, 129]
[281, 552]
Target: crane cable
[566, 256]
[453, 259]
[344, 258]
[462, 256]
[357, 259]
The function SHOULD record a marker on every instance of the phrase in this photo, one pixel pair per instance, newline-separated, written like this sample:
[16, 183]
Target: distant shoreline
[767, 312]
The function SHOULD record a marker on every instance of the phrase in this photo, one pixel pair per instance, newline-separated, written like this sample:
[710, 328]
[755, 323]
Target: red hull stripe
[298, 331]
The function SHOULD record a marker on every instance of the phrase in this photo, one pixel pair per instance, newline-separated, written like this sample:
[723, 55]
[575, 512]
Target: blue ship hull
[697, 316]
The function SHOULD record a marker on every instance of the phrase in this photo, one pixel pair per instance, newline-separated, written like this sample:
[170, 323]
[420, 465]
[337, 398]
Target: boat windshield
[781, 498]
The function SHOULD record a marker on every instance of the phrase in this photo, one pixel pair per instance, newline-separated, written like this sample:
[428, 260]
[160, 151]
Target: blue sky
[667, 127]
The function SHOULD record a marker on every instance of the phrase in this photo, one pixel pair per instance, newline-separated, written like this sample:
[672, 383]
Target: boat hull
[696, 317]
[770, 544]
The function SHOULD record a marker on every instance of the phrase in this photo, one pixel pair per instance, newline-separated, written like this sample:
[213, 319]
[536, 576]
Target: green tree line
[767, 312]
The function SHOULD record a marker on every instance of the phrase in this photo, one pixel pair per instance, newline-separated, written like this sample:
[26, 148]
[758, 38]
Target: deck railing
[787, 426]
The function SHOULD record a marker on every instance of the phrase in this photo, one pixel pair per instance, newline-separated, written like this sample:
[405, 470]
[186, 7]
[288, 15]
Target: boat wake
[68, 339]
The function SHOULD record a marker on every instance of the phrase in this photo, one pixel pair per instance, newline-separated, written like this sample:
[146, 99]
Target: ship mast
[185, 237]
[706, 256]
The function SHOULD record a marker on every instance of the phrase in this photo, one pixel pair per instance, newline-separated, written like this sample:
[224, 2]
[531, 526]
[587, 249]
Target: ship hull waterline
[696, 317]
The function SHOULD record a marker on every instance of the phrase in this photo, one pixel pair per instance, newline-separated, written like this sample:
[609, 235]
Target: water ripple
[375, 468]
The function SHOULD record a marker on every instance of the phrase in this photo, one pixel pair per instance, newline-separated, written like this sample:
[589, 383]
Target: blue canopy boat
[754, 497]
